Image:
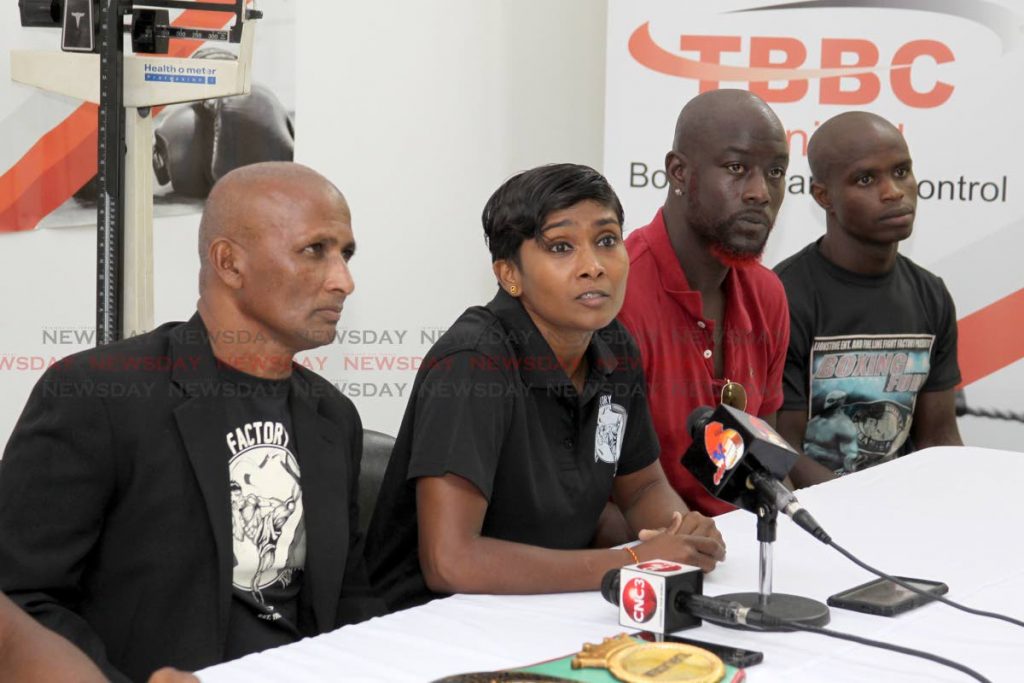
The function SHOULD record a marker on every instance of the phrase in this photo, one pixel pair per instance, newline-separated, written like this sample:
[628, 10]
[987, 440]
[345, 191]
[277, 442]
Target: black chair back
[377, 448]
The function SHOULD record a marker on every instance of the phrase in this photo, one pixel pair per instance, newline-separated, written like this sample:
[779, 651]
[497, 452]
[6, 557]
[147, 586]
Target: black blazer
[115, 525]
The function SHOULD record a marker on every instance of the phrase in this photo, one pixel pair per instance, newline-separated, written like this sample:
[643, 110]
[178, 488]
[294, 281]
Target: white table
[951, 514]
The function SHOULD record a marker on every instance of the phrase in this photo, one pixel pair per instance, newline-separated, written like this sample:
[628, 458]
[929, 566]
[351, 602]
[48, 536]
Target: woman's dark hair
[516, 211]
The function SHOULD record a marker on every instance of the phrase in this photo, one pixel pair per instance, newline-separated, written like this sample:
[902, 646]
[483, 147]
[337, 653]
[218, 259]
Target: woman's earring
[678, 192]
[513, 290]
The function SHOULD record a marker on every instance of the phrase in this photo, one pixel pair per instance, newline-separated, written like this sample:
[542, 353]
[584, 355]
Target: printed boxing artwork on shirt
[611, 429]
[862, 393]
[266, 509]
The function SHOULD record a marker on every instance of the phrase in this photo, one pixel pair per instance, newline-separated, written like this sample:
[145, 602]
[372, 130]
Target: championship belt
[624, 659]
[501, 677]
[634, 662]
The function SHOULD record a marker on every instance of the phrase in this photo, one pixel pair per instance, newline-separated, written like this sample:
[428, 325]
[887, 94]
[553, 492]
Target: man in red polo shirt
[703, 309]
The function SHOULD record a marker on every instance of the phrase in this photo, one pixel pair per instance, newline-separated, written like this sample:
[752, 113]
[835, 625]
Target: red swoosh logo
[648, 53]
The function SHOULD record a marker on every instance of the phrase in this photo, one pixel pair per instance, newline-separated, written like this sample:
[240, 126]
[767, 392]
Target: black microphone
[740, 459]
[684, 606]
[697, 420]
[782, 499]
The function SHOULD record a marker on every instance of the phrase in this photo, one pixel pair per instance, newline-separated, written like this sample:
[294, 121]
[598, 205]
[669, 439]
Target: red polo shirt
[676, 343]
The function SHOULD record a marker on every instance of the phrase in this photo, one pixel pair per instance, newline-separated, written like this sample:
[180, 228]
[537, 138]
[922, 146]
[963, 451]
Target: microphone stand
[791, 608]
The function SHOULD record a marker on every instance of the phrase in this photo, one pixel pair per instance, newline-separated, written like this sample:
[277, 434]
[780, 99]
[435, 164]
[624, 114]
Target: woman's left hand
[691, 524]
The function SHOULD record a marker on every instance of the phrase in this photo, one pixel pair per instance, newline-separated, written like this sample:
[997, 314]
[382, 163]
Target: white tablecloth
[951, 514]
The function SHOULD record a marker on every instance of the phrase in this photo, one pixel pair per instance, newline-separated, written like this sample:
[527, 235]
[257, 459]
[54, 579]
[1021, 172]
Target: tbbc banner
[949, 73]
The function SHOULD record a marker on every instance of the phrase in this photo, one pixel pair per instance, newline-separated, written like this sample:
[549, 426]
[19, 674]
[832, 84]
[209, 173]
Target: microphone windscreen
[610, 586]
[697, 419]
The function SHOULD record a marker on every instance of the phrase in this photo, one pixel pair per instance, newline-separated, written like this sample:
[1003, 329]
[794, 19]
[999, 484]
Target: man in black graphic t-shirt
[189, 495]
[871, 367]
[267, 524]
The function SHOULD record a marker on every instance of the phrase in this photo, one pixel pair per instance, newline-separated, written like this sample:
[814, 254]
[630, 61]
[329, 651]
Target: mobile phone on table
[886, 598]
[733, 656]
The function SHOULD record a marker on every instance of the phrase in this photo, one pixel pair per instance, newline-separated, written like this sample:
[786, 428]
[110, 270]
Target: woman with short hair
[528, 415]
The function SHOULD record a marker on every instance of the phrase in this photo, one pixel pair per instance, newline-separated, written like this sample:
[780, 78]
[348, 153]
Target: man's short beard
[711, 237]
[710, 233]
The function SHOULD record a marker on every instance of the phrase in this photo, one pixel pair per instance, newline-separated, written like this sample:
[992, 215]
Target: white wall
[418, 111]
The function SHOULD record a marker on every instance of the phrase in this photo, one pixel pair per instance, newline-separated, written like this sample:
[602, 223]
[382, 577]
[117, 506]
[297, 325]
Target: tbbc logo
[639, 599]
[773, 59]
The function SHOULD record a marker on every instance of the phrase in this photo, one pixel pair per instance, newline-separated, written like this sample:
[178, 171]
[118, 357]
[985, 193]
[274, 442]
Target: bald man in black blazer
[189, 495]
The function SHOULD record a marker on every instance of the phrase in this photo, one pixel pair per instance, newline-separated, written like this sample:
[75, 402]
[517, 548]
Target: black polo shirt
[492, 405]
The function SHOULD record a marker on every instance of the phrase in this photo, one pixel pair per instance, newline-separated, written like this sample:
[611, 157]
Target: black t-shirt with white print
[862, 348]
[268, 534]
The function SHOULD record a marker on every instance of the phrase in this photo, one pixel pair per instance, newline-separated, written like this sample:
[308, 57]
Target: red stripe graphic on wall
[52, 170]
[990, 338]
[64, 159]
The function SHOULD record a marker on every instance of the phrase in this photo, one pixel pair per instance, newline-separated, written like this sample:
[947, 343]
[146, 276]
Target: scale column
[110, 174]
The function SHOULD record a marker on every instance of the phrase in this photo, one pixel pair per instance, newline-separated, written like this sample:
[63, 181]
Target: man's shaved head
[864, 180]
[843, 138]
[241, 204]
[705, 116]
[727, 172]
[275, 242]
